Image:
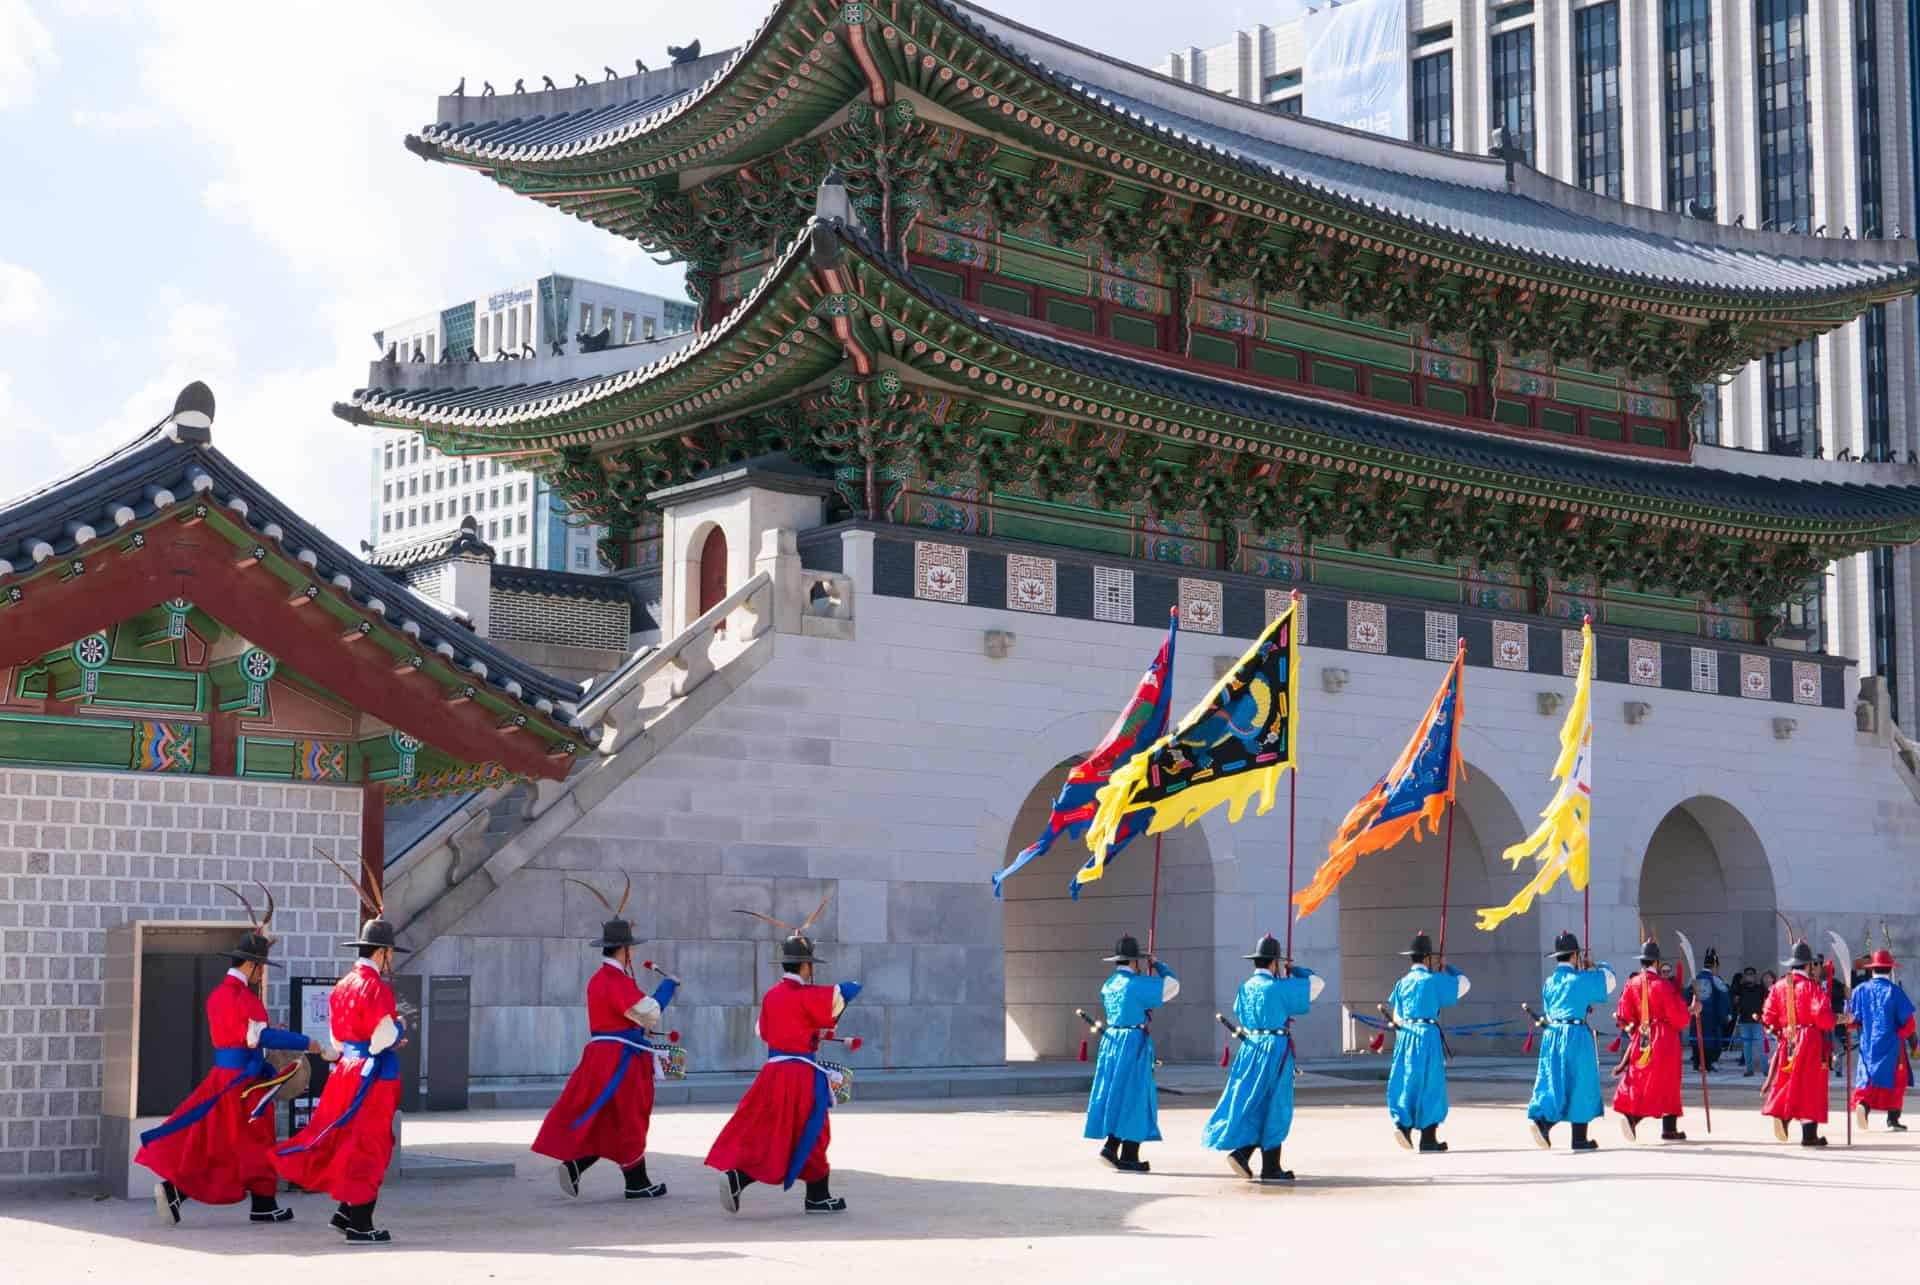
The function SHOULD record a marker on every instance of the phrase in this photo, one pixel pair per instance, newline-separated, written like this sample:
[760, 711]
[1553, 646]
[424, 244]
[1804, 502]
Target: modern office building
[1785, 114]
[421, 495]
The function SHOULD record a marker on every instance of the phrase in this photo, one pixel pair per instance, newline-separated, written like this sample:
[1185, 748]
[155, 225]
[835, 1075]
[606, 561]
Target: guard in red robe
[1652, 1009]
[348, 1143]
[1882, 1010]
[1799, 1014]
[779, 1131]
[608, 1102]
[218, 1147]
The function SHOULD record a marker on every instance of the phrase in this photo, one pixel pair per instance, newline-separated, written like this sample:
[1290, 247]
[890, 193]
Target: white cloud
[23, 296]
[26, 53]
[114, 122]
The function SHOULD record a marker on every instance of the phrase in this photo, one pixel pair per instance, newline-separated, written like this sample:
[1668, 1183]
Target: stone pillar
[467, 583]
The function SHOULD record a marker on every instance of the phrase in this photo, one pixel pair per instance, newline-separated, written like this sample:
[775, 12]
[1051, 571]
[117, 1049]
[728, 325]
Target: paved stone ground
[998, 1189]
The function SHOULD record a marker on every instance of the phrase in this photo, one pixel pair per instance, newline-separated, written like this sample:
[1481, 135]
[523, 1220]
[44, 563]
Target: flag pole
[1586, 893]
[1293, 785]
[1453, 804]
[1153, 910]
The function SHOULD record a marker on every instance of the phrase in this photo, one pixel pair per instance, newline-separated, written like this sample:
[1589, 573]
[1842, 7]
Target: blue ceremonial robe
[1256, 1107]
[1882, 1008]
[1124, 1103]
[1417, 1086]
[1566, 1085]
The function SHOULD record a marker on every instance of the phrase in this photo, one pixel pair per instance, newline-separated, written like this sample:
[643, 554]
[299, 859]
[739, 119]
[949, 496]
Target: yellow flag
[1560, 843]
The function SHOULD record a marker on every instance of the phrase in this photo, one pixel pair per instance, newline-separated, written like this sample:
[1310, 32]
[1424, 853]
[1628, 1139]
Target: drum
[295, 1085]
[670, 1061]
[840, 1079]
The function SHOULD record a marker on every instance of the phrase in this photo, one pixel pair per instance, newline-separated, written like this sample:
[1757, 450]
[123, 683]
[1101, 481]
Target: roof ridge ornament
[1504, 146]
[192, 418]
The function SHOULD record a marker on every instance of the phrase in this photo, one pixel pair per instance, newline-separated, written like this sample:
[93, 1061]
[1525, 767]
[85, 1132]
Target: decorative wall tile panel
[1200, 605]
[1806, 683]
[1643, 662]
[1510, 649]
[939, 571]
[1706, 669]
[1031, 584]
[1367, 627]
[1570, 643]
[1443, 635]
[1113, 594]
[1756, 678]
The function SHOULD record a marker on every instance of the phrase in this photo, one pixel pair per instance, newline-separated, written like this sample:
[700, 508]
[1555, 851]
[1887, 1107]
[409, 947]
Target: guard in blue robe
[1255, 1111]
[1124, 1106]
[1566, 1085]
[1885, 1015]
[1417, 1086]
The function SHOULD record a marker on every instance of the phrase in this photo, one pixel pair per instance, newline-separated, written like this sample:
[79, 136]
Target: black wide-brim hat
[1802, 956]
[252, 949]
[1565, 944]
[618, 932]
[1267, 951]
[1421, 948]
[799, 950]
[380, 934]
[1650, 952]
[1125, 951]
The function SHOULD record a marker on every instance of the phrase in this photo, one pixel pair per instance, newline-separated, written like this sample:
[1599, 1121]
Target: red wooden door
[713, 571]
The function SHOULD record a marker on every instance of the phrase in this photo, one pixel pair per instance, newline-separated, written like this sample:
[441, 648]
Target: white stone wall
[82, 852]
[892, 768]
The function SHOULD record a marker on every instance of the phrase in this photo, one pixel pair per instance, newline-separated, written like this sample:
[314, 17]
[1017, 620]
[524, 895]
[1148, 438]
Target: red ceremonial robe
[1800, 1011]
[345, 1148]
[1653, 1009]
[772, 1121]
[617, 1130]
[223, 1157]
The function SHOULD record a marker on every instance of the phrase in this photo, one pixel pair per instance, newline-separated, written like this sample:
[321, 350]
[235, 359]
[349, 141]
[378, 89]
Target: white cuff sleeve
[1315, 984]
[253, 1033]
[1170, 989]
[1466, 984]
[384, 1036]
[646, 1013]
[1612, 980]
[839, 1004]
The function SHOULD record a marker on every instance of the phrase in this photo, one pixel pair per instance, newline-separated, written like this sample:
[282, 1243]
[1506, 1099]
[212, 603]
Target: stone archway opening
[1054, 945]
[713, 572]
[1392, 895]
[1705, 873]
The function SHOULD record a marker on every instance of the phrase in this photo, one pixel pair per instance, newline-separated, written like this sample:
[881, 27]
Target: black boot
[268, 1210]
[570, 1172]
[360, 1228]
[1430, 1139]
[1130, 1161]
[639, 1187]
[1542, 1131]
[1581, 1142]
[822, 1201]
[1240, 1160]
[1810, 1134]
[1270, 1170]
[167, 1201]
[732, 1183]
[1893, 1123]
[1670, 1129]
[1111, 1151]
[342, 1217]
[1403, 1134]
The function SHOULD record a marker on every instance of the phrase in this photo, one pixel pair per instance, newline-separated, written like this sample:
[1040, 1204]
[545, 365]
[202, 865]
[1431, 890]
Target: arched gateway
[1706, 874]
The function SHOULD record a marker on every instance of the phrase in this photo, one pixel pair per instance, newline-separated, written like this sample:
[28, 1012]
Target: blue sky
[207, 189]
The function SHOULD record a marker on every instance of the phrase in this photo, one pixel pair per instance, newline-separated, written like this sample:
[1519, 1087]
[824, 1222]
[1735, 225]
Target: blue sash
[373, 1066]
[816, 1118]
[251, 1063]
[633, 1042]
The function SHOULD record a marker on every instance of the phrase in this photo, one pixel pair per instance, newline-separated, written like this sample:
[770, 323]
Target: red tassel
[1528, 1046]
[1615, 1046]
[854, 1043]
[673, 1037]
[1378, 1042]
[1083, 1050]
[1226, 1053]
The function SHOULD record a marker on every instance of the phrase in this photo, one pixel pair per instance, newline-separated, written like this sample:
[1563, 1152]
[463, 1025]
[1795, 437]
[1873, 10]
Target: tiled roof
[1462, 196]
[561, 584]
[463, 540]
[170, 464]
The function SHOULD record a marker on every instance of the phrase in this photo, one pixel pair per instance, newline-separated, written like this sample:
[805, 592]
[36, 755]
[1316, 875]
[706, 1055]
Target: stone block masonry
[82, 852]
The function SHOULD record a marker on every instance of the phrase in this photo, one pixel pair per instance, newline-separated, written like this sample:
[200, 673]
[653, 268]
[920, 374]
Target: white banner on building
[1355, 70]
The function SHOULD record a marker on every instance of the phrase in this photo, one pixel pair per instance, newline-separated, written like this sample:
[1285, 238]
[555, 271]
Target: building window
[523, 492]
[439, 510]
[386, 492]
[493, 530]
[387, 455]
[466, 471]
[523, 524]
[486, 336]
[1886, 627]
[1873, 360]
[1433, 35]
[1433, 101]
[1686, 28]
[1508, 12]
[493, 498]
[1596, 85]
[646, 327]
[1786, 158]
[1284, 81]
[415, 458]
[466, 504]
[1866, 116]
[1706, 421]
[586, 318]
[1512, 85]
[1806, 616]
[627, 320]
[513, 330]
[386, 523]
[1289, 106]
[1793, 400]
[606, 320]
[526, 324]
[413, 486]
[580, 558]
